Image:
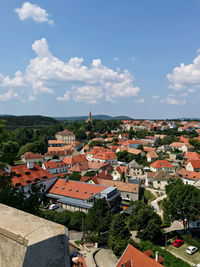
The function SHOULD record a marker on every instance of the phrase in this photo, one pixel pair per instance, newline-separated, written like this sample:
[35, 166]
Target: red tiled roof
[162, 164]
[65, 133]
[176, 144]
[148, 149]
[189, 174]
[152, 154]
[56, 142]
[54, 164]
[75, 189]
[75, 159]
[136, 258]
[195, 163]
[24, 176]
[191, 155]
[108, 155]
[121, 186]
[31, 155]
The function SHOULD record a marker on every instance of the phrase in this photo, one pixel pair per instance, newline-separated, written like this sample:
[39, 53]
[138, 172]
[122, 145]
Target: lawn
[181, 252]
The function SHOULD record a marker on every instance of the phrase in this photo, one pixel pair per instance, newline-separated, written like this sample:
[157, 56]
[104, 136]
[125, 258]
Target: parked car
[191, 250]
[177, 243]
[53, 206]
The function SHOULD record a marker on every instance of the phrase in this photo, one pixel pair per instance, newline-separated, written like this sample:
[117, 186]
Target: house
[107, 157]
[191, 155]
[129, 191]
[66, 136]
[189, 177]
[152, 156]
[74, 195]
[132, 257]
[164, 148]
[85, 166]
[119, 173]
[134, 169]
[90, 154]
[184, 147]
[56, 143]
[70, 161]
[28, 174]
[162, 165]
[55, 166]
[123, 136]
[159, 179]
[57, 154]
[193, 165]
[32, 157]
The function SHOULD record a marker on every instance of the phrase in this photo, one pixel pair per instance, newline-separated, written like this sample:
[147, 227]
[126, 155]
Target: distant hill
[28, 121]
[100, 117]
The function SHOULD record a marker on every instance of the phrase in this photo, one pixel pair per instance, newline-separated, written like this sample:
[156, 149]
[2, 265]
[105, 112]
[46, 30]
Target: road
[105, 258]
[154, 204]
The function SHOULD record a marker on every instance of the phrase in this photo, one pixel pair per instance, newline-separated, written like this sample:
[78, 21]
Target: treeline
[29, 121]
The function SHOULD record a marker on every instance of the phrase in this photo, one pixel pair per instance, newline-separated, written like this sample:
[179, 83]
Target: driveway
[155, 205]
[181, 253]
[105, 258]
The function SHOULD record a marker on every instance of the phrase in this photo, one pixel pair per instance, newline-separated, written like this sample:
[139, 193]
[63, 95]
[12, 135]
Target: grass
[148, 195]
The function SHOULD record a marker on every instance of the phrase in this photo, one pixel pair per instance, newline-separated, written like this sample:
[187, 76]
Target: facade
[193, 165]
[73, 195]
[162, 165]
[55, 166]
[159, 180]
[66, 136]
[26, 175]
[189, 177]
[134, 169]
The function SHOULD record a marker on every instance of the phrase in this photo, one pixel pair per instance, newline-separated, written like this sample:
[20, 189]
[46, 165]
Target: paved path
[154, 204]
[176, 255]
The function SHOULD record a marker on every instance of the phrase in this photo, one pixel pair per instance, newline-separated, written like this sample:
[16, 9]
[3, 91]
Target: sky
[139, 58]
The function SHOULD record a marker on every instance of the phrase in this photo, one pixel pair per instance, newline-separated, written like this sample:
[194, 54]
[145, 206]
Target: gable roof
[76, 189]
[162, 164]
[189, 175]
[152, 154]
[121, 186]
[191, 155]
[31, 155]
[108, 155]
[132, 257]
[23, 176]
[195, 163]
[54, 164]
[65, 133]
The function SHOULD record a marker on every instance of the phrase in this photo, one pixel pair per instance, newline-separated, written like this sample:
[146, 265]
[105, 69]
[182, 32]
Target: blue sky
[135, 57]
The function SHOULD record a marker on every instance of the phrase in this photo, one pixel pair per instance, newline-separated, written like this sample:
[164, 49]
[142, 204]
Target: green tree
[119, 234]
[77, 220]
[98, 218]
[182, 203]
[144, 219]
[75, 176]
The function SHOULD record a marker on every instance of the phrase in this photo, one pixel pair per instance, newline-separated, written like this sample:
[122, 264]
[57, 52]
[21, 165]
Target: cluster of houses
[101, 175]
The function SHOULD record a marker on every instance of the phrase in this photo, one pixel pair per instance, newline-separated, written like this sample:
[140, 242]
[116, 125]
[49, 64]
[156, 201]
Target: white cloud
[185, 76]
[115, 58]
[33, 11]
[141, 100]
[8, 95]
[174, 101]
[155, 97]
[48, 74]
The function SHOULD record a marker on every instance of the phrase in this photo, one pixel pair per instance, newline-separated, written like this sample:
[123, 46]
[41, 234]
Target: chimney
[157, 256]
[67, 178]
[30, 165]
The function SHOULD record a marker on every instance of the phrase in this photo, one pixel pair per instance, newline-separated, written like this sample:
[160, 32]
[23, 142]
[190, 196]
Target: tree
[182, 202]
[131, 133]
[77, 220]
[76, 176]
[98, 218]
[119, 234]
[146, 221]
[17, 198]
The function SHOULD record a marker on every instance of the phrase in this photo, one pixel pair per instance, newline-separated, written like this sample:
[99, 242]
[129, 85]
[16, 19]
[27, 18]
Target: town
[128, 191]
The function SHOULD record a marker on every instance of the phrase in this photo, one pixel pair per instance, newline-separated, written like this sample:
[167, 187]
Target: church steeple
[89, 117]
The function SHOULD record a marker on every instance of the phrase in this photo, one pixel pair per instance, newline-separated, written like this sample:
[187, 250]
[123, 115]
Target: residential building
[55, 166]
[189, 177]
[193, 165]
[159, 180]
[152, 156]
[129, 191]
[107, 157]
[66, 136]
[32, 157]
[134, 169]
[30, 173]
[73, 195]
[162, 165]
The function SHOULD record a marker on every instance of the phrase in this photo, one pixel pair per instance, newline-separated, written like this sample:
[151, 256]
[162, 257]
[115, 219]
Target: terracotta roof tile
[162, 164]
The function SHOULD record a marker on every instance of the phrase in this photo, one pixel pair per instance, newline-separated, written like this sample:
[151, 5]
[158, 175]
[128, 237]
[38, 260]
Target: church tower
[89, 117]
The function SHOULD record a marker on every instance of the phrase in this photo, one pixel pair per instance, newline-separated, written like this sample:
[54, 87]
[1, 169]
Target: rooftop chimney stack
[30, 165]
[157, 256]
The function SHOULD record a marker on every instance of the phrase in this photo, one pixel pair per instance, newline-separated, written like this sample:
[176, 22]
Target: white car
[196, 265]
[53, 206]
[191, 250]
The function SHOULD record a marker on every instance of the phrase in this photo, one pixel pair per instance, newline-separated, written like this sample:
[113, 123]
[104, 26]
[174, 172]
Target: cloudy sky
[118, 57]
